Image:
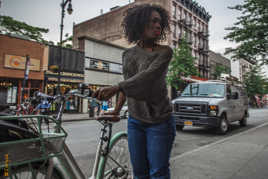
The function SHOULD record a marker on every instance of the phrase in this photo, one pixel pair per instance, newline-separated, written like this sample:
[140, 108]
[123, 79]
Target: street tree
[8, 25]
[250, 31]
[220, 69]
[11, 26]
[182, 65]
[255, 83]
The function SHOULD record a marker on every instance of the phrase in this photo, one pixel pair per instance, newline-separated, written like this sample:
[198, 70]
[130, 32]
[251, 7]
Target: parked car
[212, 104]
[123, 112]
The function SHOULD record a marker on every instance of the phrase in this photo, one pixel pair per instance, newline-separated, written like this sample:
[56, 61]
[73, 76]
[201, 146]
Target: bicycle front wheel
[30, 171]
[117, 162]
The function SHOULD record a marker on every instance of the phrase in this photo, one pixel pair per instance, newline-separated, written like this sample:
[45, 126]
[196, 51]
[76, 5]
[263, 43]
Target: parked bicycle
[39, 153]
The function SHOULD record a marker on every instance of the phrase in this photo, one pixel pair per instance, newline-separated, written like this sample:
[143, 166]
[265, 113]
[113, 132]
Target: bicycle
[51, 157]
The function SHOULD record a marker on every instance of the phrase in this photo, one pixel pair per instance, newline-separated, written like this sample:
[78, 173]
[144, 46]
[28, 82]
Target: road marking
[172, 159]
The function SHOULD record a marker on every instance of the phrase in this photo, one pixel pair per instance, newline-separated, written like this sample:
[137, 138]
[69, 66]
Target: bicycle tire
[28, 171]
[119, 152]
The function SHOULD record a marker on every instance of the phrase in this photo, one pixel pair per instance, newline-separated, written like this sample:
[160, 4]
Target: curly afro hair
[137, 17]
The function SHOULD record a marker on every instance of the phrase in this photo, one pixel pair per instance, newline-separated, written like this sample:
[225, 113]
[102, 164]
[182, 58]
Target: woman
[151, 129]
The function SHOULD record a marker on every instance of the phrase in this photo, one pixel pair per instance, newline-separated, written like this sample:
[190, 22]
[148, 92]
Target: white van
[212, 104]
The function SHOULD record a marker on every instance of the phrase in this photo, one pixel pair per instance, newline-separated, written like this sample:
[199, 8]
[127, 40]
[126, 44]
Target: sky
[47, 14]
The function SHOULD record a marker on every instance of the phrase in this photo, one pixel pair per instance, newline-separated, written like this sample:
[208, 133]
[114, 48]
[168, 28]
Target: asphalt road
[83, 137]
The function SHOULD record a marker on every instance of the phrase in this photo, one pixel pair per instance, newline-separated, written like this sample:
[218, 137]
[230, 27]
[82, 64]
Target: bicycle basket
[41, 145]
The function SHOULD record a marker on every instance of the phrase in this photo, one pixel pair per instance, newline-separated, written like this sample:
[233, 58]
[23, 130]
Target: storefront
[13, 52]
[72, 74]
[103, 65]
[8, 92]
[68, 81]
[11, 90]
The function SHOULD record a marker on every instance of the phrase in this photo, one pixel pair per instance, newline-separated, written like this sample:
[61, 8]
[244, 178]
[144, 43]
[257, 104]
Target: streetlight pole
[60, 64]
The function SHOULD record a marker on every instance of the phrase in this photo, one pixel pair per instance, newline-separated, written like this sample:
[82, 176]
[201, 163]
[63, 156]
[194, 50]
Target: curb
[74, 120]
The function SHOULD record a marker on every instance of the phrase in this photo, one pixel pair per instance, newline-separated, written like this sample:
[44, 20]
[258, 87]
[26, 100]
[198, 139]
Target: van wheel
[179, 128]
[244, 121]
[224, 126]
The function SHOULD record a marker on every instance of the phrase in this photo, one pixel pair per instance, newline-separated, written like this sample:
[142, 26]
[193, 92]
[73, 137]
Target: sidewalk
[242, 156]
[67, 117]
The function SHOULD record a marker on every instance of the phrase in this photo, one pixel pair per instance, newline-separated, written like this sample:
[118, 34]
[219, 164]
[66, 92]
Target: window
[205, 90]
[179, 12]
[87, 62]
[174, 10]
[117, 68]
[174, 45]
[174, 30]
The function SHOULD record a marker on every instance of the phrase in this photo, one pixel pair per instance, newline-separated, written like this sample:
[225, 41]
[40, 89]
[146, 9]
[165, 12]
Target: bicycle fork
[103, 147]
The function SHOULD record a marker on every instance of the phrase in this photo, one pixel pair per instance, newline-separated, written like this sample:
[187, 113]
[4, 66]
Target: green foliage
[11, 26]
[219, 70]
[182, 65]
[65, 43]
[255, 82]
[250, 31]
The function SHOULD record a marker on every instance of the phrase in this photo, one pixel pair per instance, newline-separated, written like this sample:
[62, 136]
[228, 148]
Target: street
[83, 137]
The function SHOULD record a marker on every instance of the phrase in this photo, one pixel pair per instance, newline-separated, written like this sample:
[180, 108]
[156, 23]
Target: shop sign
[18, 62]
[100, 65]
[66, 80]
[66, 74]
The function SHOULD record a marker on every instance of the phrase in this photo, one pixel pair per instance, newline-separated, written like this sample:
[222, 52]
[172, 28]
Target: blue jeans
[150, 146]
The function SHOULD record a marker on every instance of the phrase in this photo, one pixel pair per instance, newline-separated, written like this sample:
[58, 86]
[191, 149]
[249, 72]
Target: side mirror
[228, 96]
[235, 95]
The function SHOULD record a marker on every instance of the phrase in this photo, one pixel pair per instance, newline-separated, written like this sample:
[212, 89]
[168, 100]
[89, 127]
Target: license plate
[188, 123]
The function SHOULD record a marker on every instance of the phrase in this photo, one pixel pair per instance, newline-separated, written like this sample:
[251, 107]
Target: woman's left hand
[105, 93]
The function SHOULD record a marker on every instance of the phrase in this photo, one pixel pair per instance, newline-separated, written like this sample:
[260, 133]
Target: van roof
[220, 82]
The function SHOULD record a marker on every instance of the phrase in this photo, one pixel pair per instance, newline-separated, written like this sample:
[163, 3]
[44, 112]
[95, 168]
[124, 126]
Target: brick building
[216, 59]
[188, 19]
[13, 51]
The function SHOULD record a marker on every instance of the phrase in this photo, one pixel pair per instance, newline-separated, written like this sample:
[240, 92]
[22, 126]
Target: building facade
[103, 64]
[215, 60]
[188, 20]
[239, 68]
[72, 74]
[13, 51]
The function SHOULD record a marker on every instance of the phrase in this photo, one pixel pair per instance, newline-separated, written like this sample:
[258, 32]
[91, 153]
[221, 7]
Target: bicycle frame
[65, 162]
[70, 167]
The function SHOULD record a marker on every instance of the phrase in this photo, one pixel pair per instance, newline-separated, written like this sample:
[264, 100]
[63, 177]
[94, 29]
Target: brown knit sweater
[145, 85]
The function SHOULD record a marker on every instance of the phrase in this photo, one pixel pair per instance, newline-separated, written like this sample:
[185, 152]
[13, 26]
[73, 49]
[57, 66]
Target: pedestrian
[94, 108]
[151, 128]
[104, 106]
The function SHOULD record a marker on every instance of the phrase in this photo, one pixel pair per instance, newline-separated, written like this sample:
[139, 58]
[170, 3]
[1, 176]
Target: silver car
[123, 113]
[212, 104]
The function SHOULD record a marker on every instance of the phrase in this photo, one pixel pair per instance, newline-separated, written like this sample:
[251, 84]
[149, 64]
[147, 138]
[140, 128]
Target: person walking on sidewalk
[151, 129]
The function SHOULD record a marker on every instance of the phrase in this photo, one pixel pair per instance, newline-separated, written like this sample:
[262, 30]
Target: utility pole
[60, 64]
[26, 76]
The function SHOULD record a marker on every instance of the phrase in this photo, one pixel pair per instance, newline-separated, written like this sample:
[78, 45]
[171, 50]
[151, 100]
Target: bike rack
[39, 145]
